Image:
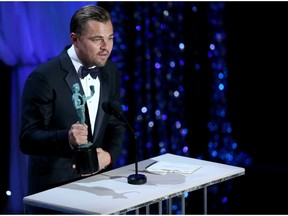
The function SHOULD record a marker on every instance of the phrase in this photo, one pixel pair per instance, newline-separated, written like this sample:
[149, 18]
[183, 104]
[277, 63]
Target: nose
[104, 44]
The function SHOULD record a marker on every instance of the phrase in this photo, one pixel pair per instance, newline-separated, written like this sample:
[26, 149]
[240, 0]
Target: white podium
[109, 192]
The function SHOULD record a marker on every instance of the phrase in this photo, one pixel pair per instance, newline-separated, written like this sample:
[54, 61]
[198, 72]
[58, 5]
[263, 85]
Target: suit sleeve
[37, 135]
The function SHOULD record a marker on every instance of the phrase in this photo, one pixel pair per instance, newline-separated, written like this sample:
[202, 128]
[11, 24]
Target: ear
[74, 38]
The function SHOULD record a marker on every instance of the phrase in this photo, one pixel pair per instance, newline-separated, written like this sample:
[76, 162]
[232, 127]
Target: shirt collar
[75, 60]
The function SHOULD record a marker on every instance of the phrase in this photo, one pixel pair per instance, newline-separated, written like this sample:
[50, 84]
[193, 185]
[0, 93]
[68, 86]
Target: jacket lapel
[103, 97]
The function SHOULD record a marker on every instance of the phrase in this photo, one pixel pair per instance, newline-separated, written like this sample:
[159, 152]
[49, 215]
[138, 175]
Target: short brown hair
[86, 13]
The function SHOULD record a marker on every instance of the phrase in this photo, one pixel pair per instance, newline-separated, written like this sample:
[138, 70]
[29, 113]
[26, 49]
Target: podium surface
[110, 193]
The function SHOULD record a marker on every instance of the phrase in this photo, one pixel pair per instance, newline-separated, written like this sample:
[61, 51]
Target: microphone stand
[114, 108]
[136, 179]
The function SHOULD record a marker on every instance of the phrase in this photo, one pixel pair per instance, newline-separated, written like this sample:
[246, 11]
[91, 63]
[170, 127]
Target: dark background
[257, 55]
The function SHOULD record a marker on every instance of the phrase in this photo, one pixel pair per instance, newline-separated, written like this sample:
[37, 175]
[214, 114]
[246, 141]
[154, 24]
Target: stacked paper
[162, 167]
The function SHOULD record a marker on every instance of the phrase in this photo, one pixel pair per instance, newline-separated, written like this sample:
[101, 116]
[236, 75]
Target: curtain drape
[30, 34]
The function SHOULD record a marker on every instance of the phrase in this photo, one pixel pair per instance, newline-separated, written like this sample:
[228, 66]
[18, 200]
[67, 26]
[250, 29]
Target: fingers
[78, 134]
[104, 158]
[99, 150]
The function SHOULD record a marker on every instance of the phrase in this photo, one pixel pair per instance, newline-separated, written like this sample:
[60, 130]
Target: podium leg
[160, 208]
[183, 203]
[205, 200]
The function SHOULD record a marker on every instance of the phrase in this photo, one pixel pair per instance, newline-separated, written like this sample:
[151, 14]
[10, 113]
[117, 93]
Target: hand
[104, 158]
[92, 88]
[78, 134]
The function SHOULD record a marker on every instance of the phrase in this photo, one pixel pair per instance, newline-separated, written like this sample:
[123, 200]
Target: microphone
[114, 108]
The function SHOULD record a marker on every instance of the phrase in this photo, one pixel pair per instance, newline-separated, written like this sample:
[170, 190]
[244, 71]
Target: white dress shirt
[86, 82]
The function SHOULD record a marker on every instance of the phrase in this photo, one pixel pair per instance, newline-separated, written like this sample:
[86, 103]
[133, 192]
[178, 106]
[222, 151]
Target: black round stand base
[137, 179]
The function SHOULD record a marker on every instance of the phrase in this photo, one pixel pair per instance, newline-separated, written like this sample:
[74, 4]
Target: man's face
[95, 44]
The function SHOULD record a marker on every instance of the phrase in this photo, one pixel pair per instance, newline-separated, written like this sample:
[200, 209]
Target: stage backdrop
[172, 60]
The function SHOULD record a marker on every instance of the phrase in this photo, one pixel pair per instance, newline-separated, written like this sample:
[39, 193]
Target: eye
[97, 40]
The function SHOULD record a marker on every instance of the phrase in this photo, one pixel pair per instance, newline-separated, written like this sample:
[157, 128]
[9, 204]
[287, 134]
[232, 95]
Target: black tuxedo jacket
[48, 113]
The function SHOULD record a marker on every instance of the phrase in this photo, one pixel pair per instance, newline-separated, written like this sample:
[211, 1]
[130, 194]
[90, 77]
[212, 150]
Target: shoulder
[56, 66]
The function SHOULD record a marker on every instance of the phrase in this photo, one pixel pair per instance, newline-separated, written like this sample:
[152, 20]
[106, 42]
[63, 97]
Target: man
[50, 128]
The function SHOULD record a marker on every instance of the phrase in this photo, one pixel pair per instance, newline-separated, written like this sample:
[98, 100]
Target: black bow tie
[94, 72]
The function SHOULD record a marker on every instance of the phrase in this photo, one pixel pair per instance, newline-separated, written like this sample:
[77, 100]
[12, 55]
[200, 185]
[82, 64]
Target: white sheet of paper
[162, 167]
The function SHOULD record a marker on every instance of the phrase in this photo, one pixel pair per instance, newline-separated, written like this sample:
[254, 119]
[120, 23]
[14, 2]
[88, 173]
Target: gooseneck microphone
[114, 108]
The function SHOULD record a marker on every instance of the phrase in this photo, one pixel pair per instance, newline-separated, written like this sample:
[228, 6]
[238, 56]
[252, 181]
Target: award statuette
[85, 154]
